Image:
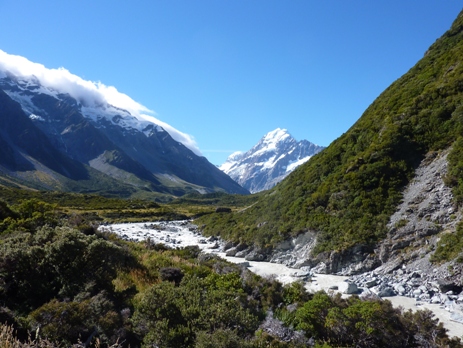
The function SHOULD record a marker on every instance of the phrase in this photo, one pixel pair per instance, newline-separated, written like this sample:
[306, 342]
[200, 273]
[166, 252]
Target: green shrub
[450, 246]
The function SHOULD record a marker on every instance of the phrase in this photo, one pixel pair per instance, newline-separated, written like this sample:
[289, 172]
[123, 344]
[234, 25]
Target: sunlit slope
[347, 192]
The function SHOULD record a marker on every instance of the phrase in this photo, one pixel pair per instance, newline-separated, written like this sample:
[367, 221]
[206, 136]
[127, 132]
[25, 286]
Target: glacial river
[177, 234]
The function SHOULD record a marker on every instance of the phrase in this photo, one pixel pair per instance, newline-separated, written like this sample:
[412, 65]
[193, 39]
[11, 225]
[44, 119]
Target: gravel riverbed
[408, 289]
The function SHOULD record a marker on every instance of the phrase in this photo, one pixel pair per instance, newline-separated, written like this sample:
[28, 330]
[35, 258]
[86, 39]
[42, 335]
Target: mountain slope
[65, 131]
[268, 162]
[22, 139]
[347, 193]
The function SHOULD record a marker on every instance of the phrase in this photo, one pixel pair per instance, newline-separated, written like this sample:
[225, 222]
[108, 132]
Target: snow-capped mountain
[275, 156]
[67, 135]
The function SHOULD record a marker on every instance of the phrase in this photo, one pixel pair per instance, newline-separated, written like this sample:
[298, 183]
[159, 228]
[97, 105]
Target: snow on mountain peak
[96, 98]
[269, 161]
[276, 136]
[271, 140]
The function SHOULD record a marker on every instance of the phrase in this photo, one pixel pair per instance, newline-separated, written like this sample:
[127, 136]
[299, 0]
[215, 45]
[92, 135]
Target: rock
[333, 287]
[231, 252]
[348, 288]
[457, 316]
[243, 253]
[235, 250]
[448, 285]
[304, 275]
[400, 245]
[305, 268]
[320, 268]
[368, 295]
[254, 256]
[386, 292]
[276, 328]
[228, 245]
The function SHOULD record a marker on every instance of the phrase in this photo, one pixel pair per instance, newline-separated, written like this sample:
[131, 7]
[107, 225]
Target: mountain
[51, 139]
[275, 156]
[340, 205]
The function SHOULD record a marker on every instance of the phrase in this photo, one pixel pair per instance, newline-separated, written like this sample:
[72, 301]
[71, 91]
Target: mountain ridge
[137, 154]
[268, 162]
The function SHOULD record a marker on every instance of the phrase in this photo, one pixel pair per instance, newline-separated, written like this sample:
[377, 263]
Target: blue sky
[228, 72]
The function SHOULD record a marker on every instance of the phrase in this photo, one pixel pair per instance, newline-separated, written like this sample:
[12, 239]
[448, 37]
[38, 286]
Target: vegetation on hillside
[450, 246]
[63, 283]
[348, 191]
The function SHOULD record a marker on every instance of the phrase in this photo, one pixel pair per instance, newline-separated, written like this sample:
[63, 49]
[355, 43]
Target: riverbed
[179, 234]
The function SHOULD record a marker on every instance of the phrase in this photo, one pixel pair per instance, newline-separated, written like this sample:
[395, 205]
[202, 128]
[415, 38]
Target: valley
[116, 232]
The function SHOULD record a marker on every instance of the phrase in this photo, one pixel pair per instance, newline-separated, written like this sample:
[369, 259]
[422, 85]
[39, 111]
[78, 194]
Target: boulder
[400, 289]
[231, 252]
[448, 285]
[457, 316]
[304, 275]
[228, 245]
[348, 288]
[254, 256]
[238, 249]
[386, 292]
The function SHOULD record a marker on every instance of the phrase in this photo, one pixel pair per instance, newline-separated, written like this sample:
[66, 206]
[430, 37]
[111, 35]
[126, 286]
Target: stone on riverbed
[348, 288]
[457, 316]
[386, 292]
[254, 256]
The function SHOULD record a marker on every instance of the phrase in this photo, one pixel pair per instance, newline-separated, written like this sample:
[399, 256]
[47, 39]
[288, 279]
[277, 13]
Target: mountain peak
[275, 156]
[276, 136]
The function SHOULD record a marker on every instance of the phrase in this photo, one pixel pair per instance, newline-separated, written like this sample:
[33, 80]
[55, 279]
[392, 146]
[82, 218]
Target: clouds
[181, 137]
[88, 93]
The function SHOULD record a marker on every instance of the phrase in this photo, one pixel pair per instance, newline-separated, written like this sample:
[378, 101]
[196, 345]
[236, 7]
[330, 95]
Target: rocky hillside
[344, 205]
[271, 160]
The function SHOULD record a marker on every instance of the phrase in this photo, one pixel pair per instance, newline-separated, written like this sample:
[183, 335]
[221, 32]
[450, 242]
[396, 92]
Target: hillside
[346, 194]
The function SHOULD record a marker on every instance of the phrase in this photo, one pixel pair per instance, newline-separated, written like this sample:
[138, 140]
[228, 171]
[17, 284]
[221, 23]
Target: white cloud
[89, 93]
[185, 139]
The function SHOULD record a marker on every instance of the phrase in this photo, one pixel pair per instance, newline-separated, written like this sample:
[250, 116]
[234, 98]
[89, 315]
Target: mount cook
[273, 158]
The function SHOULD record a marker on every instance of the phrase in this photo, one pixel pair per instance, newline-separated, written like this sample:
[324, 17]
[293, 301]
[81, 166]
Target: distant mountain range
[275, 156]
[51, 140]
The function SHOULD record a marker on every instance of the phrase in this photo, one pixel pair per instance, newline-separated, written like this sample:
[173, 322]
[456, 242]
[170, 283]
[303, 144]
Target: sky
[226, 72]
